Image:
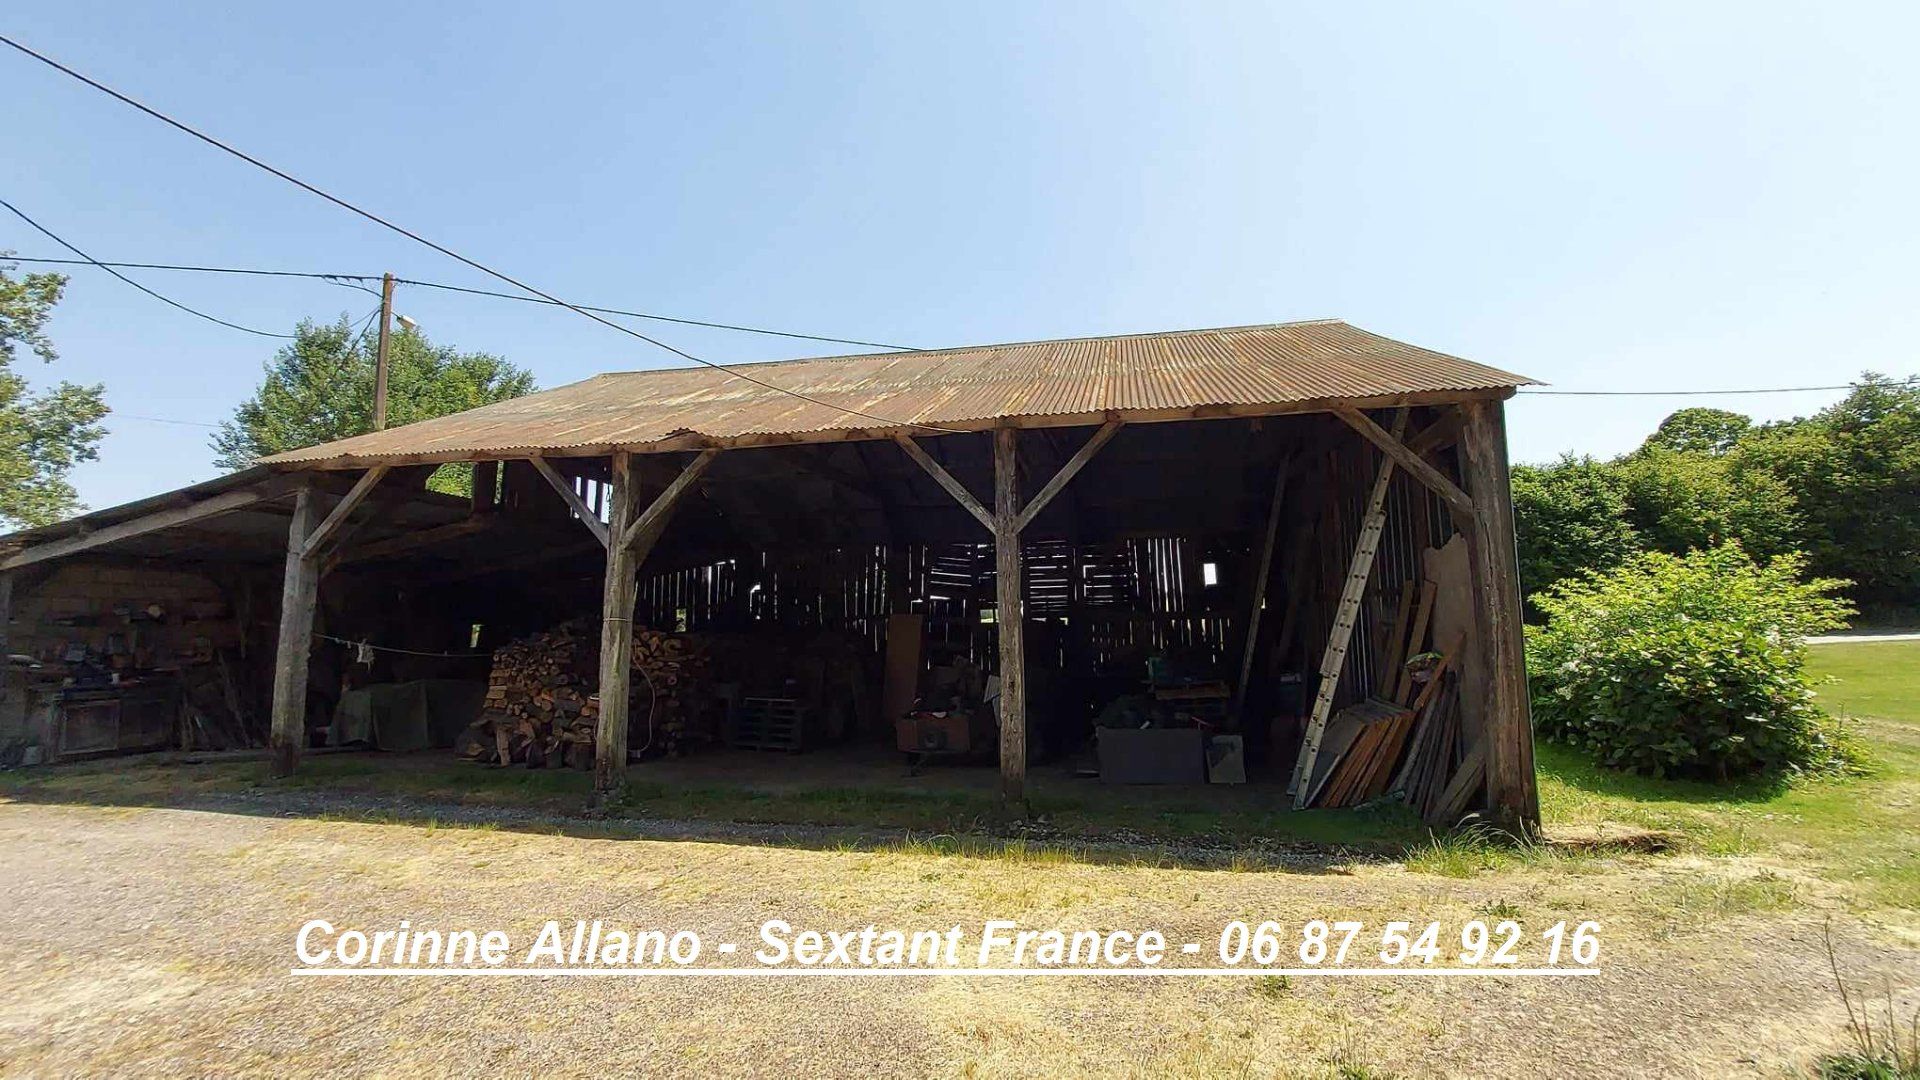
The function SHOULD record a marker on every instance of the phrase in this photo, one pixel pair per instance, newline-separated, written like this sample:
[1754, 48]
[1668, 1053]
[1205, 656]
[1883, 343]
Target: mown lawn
[1863, 831]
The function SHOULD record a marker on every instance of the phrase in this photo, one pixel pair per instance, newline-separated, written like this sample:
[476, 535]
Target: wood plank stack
[1362, 771]
[1398, 734]
[542, 709]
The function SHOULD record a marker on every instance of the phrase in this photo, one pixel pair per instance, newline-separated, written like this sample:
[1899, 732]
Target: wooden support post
[298, 593]
[486, 487]
[616, 638]
[1010, 621]
[637, 532]
[1512, 798]
[1260, 577]
[6, 633]
[1345, 615]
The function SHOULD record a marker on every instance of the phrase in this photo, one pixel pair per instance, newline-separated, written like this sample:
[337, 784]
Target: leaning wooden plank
[1395, 654]
[1461, 791]
[1346, 613]
[1260, 579]
[1421, 614]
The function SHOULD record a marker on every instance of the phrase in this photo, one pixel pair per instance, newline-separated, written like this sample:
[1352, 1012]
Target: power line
[448, 252]
[161, 420]
[196, 269]
[56, 238]
[342, 279]
[662, 318]
[1691, 393]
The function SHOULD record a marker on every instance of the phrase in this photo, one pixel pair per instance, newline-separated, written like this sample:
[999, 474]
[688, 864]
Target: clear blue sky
[1603, 196]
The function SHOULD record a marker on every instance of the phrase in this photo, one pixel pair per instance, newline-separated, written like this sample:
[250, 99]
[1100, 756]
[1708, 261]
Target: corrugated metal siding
[1255, 365]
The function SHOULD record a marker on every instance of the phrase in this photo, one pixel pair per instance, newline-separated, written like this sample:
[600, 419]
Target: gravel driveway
[158, 941]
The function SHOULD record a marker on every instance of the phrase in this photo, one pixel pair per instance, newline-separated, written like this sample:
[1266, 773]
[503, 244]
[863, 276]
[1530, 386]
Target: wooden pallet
[768, 724]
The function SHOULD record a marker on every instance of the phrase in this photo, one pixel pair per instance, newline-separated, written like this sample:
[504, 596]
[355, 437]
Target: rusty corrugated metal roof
[1244, 369]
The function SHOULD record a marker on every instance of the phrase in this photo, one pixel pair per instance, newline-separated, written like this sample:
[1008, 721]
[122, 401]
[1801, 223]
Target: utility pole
[380, 360]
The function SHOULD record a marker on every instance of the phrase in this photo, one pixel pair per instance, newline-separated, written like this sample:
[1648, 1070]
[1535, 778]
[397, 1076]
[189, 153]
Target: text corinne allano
[776, 943]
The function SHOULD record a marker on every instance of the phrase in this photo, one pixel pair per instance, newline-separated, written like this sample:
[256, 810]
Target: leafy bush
[1689, 665]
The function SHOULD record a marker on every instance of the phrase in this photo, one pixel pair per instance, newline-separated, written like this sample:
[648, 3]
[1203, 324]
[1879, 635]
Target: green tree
[319, 388]
[1854, 469]
[1571, 517]
[1705, 431]
[42, 435]
[1682, 500]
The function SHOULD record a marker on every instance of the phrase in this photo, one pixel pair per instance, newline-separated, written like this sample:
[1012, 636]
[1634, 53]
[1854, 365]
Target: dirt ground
[159, 941]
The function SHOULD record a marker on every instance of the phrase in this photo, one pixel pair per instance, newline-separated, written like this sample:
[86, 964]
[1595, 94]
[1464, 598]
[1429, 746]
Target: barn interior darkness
[791, 560]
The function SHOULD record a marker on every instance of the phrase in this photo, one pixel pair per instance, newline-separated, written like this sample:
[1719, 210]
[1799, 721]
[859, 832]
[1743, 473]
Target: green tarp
[407, 716]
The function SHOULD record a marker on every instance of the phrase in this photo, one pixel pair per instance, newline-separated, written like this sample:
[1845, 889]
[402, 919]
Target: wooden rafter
[413, 541]
[572, 498]
[213, 506]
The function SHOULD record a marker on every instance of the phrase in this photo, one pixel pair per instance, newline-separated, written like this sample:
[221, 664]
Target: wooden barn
[1282, 552]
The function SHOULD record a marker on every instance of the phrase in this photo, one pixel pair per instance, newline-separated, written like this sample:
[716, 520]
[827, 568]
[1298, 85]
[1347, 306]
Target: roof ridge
[988, 345]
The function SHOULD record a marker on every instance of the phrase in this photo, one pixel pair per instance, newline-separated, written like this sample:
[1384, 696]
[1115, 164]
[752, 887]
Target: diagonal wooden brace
[324, 533]
[1074, 464]
[572, 498]
[946, 480]
[1404, 457]
[650, 523]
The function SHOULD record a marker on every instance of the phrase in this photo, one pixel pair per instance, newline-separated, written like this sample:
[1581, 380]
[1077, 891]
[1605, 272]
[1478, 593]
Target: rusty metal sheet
[1276, 365]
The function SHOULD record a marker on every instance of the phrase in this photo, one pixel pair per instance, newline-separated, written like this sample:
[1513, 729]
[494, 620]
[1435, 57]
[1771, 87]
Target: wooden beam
[224, 503]
[413, 541]
[616, 639]
[1260, 578]
[485, 498]
[1009, 621]
[1345, 615]
[1438, 435]
[557, 551]
[1408, 460]
[298, 593]
[648, 526]
[1507, 721]
[1067, 472]
[572, 498]
[330, 526]
[946, 480]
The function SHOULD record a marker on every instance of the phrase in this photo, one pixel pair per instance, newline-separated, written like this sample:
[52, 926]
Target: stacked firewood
[542, 710]
[671, 691]
[540, 707]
